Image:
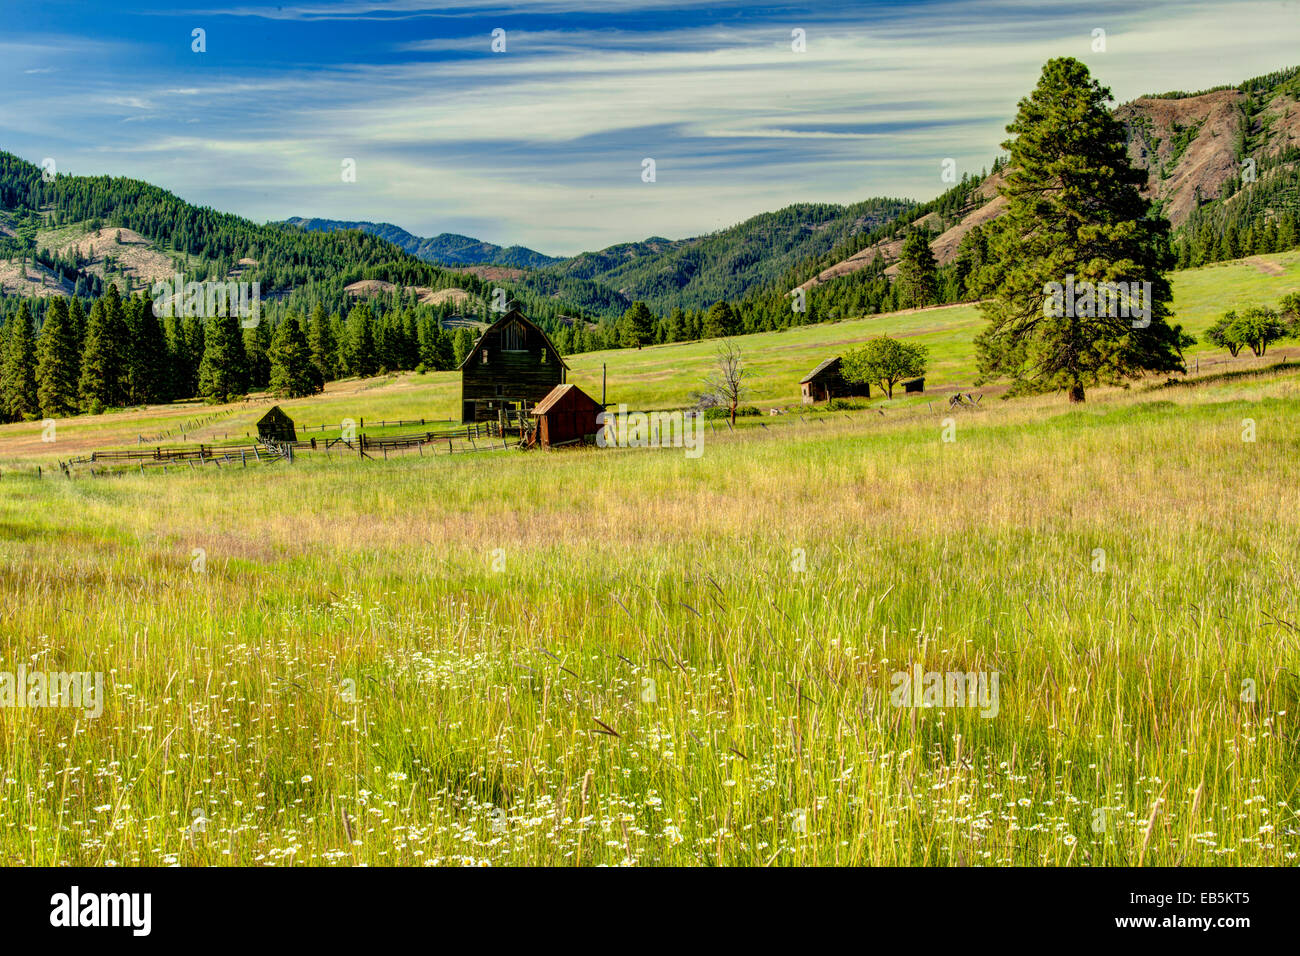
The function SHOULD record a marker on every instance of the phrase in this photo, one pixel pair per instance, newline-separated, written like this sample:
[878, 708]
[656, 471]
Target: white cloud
[542, 145]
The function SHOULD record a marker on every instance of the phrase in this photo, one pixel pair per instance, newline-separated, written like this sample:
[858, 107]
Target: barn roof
[515, 315]
[274, 416]
[825, 366]
[557, 393]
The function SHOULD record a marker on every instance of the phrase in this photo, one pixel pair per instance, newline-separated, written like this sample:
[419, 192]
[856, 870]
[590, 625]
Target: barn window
[543, 356]
[483, 356]
[512, 337]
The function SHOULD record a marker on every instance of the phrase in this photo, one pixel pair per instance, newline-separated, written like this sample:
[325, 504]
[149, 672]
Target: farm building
[275, 425]
[565, 416]
[512, 363]
[826, 381]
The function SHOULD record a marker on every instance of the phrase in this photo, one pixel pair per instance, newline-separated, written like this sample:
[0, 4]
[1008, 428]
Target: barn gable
[513, 363]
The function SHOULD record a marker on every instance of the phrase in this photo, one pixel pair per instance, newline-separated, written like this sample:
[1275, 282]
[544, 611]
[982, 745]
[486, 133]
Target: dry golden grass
[645, 677]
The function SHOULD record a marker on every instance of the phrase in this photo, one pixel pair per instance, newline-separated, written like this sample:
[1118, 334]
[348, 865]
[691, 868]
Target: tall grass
[612, 656]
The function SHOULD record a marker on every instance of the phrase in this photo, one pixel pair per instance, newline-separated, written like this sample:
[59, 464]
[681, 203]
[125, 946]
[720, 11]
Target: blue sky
[542, 145]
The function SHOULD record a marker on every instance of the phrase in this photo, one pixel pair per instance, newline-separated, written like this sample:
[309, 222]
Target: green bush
[721, 411]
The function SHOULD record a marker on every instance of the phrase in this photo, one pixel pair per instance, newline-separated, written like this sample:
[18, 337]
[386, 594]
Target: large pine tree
[56, 362]
[149, 377]
[257, 341]
[722, 321]
[105, 358]
[222, 372]
[18, 393]
[918, 273]
[1074, 208]
[359, 342]
[293, 374]
[324, 350]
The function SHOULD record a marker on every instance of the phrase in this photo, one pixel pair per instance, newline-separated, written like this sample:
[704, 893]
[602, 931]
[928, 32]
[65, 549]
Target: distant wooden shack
[275, 425]
[827, 381]
[566, 416]
[512, 363]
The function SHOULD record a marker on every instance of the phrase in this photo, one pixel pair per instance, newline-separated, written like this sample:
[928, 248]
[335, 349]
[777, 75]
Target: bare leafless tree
[727, 380]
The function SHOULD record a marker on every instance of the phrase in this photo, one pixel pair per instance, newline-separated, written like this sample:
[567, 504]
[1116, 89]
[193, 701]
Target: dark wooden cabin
[512, 363]
[565, 416]
[827, 381]
[275, 425]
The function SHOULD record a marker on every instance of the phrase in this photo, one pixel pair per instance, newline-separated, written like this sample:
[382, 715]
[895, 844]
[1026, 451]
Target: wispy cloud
[543, 144]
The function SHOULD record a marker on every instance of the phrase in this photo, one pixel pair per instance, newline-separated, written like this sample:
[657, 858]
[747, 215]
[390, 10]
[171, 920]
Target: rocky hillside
[1195, 148]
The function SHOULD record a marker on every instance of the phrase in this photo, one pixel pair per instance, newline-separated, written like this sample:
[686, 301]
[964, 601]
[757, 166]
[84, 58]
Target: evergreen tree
[192, 334]
[410, 341]
[721, 321]
[222, 372]
[444, 357]
[77, 320]
[463, 342]
[918, 283]
[257, 340]
[637, 327]
[149, 376]
[18, 391]
[677, 330]
[56, 362]
[359, 343]
[293, 373]
[1074, 208]
[324, 349]
[104, 357]
[972, 258]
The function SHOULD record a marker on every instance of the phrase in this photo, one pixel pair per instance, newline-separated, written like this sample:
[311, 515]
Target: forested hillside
[212, 245]
[443, 249]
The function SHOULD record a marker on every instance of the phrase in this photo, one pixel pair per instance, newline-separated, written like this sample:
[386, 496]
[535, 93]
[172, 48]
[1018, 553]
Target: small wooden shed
[275, 425]
[827, 381]
[565, 416]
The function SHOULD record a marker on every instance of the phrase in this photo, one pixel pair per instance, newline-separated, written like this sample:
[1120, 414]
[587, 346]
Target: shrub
[721, 411]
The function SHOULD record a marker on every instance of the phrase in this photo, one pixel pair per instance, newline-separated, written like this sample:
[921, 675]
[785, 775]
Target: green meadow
[662, 376]
[633, 657]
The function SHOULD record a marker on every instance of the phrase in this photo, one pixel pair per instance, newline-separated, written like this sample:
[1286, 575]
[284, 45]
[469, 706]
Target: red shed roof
[559, 392]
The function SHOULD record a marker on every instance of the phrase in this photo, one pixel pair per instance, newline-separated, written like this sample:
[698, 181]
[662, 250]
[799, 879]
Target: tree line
[59, 358]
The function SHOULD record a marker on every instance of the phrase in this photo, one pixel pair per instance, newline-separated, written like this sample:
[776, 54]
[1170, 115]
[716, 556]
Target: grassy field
[630, 656]
[636, 657]
[662, 376]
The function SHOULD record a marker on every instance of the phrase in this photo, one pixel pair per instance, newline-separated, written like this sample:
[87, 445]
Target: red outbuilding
[566, 416]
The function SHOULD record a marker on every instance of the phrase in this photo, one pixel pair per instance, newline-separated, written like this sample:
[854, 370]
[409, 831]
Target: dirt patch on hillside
[494, 273]
[126, 250]
[369, 288]
[32, 280]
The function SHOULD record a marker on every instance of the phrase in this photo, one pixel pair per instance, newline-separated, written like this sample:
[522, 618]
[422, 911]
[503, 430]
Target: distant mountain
[695, 273]
[446, 248]
[665, 273]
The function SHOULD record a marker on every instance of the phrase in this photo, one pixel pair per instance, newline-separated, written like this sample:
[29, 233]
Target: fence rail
[361, 423]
